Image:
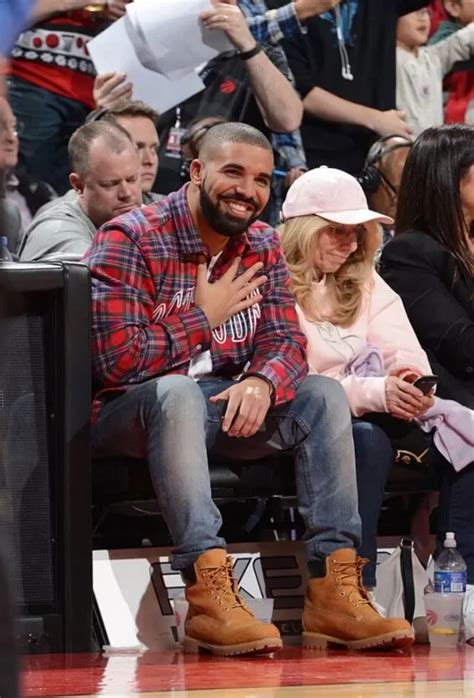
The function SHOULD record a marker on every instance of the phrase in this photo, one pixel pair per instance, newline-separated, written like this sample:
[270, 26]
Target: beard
[222, 222]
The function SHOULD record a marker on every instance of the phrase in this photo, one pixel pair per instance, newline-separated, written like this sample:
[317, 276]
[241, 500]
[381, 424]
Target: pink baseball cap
[331, 194]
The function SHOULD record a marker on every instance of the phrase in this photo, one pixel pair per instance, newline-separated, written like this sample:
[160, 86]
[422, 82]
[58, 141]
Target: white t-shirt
[201, 365]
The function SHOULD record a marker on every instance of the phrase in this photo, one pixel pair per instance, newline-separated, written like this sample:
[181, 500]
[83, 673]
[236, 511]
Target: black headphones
[371, 177]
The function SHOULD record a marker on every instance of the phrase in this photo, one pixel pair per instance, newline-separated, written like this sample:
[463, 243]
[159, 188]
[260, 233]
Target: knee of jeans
[372, 446]
[177, 396]
[320, 392]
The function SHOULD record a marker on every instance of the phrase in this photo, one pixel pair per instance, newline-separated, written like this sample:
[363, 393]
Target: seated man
[140, 121]
[197, 349]
[105, 177]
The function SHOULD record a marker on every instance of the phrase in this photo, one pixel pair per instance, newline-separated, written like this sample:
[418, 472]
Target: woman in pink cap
[356, 326]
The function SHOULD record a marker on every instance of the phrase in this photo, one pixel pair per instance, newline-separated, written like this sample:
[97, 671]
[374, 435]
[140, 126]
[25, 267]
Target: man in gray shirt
[105, 180]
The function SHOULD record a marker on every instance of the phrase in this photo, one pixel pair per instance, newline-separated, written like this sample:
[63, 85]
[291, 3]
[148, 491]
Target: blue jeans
[374, 458]
[170, 421]
[46, 121]
[455, 512]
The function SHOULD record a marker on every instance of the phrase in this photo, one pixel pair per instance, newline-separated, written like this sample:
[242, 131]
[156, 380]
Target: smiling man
[197, 350]
[105, 180]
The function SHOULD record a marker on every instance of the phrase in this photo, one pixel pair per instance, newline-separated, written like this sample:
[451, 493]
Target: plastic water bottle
[450, 569]
[5, 255]
[444, 604]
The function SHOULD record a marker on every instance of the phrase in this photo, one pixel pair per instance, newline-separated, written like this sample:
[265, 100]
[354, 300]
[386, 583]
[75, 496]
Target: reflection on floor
[295, 673]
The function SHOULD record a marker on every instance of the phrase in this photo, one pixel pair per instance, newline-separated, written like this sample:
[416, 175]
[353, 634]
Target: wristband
[247, 55]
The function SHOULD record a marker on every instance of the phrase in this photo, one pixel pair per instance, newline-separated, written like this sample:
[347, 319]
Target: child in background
[459, 85]
[420, 68]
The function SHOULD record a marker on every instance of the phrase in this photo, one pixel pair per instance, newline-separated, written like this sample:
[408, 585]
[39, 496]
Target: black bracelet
[247, 55]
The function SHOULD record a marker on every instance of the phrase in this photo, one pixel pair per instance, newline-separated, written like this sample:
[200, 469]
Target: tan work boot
[338, 610]
[218, 619]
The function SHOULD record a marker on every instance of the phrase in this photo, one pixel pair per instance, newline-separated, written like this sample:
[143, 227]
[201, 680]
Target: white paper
[176, 27]
[112, 50]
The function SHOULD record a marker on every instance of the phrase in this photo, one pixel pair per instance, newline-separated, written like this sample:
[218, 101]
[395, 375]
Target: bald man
[197, 350]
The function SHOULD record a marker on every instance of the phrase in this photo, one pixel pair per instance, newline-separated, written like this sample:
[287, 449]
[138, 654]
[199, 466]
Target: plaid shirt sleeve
[128, 346]
[271, 25]
[290, 147]
[279, 345]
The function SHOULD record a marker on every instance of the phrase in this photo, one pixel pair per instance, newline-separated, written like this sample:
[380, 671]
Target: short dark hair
[116, 137]
[232, 132]
[429, 198]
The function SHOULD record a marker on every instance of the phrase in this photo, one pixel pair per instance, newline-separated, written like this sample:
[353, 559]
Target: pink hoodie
[382, 322]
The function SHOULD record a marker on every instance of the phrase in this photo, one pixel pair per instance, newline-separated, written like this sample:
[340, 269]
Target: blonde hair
[345, 288]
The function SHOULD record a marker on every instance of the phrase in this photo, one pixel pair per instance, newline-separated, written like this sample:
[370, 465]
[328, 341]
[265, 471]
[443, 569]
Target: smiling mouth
[238, 209]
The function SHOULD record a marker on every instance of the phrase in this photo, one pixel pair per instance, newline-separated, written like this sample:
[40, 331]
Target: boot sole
[266, 646]
[400, 639]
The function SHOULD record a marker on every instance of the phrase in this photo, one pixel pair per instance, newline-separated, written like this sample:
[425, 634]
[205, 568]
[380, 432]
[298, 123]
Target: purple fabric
[453, 423]
[454, 431]
[368, 364]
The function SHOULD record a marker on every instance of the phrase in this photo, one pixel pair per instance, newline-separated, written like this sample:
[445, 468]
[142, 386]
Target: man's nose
[125, 190]
[246, 188]
[149, 156]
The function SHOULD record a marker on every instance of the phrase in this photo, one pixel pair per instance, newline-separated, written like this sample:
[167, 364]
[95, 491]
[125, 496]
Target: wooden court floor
[421, 673]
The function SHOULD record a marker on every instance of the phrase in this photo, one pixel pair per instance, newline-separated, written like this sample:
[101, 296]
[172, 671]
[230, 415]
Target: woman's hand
[404, 401]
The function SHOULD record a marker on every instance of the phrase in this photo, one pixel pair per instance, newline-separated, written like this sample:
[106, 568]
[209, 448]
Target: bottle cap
[450, 540]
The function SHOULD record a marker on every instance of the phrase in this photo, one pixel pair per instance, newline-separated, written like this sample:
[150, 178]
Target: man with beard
[197, 350]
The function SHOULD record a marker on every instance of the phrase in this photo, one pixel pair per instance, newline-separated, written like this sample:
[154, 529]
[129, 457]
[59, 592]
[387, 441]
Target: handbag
[401, 581]
[413, 448]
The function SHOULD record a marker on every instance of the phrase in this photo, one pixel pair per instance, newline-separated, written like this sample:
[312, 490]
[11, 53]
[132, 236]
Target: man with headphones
[380, 179]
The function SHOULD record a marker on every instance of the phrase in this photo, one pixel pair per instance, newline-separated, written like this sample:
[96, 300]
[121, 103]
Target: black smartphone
[426, 383]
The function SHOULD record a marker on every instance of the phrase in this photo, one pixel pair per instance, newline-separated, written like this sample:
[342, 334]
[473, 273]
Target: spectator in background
[430, 263]
[105, 176]
[344, 67]
[420, 68]
[11, 218]
[380, 179]
[459, 84]
[140, 121]
[271, 26]
[21, 196]
[50, 82]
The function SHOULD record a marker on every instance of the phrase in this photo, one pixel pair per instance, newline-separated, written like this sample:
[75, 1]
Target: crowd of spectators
[327, 117]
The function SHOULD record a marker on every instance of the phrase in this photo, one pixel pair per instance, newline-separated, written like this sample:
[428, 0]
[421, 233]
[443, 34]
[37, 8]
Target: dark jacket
[369, 33]
[439, 299]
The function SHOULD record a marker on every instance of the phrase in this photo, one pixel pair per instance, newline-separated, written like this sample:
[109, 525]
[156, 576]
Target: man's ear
[76, 182]
[196, 172]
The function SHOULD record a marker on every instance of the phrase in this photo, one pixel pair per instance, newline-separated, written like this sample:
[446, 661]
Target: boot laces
[349, 574]
[224, 586]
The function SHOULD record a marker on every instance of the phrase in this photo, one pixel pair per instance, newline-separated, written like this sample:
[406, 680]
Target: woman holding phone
[357, 329]
[430, 263]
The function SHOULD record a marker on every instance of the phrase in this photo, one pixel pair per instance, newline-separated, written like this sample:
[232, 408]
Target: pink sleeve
[365, 394]
[390, 329]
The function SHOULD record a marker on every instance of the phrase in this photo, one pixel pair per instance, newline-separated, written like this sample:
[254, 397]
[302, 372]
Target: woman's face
[334, 244]
[467, 201]
[467, 194]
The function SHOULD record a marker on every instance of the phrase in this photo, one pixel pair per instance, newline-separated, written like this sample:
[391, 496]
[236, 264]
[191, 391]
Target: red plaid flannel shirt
[145, 323]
